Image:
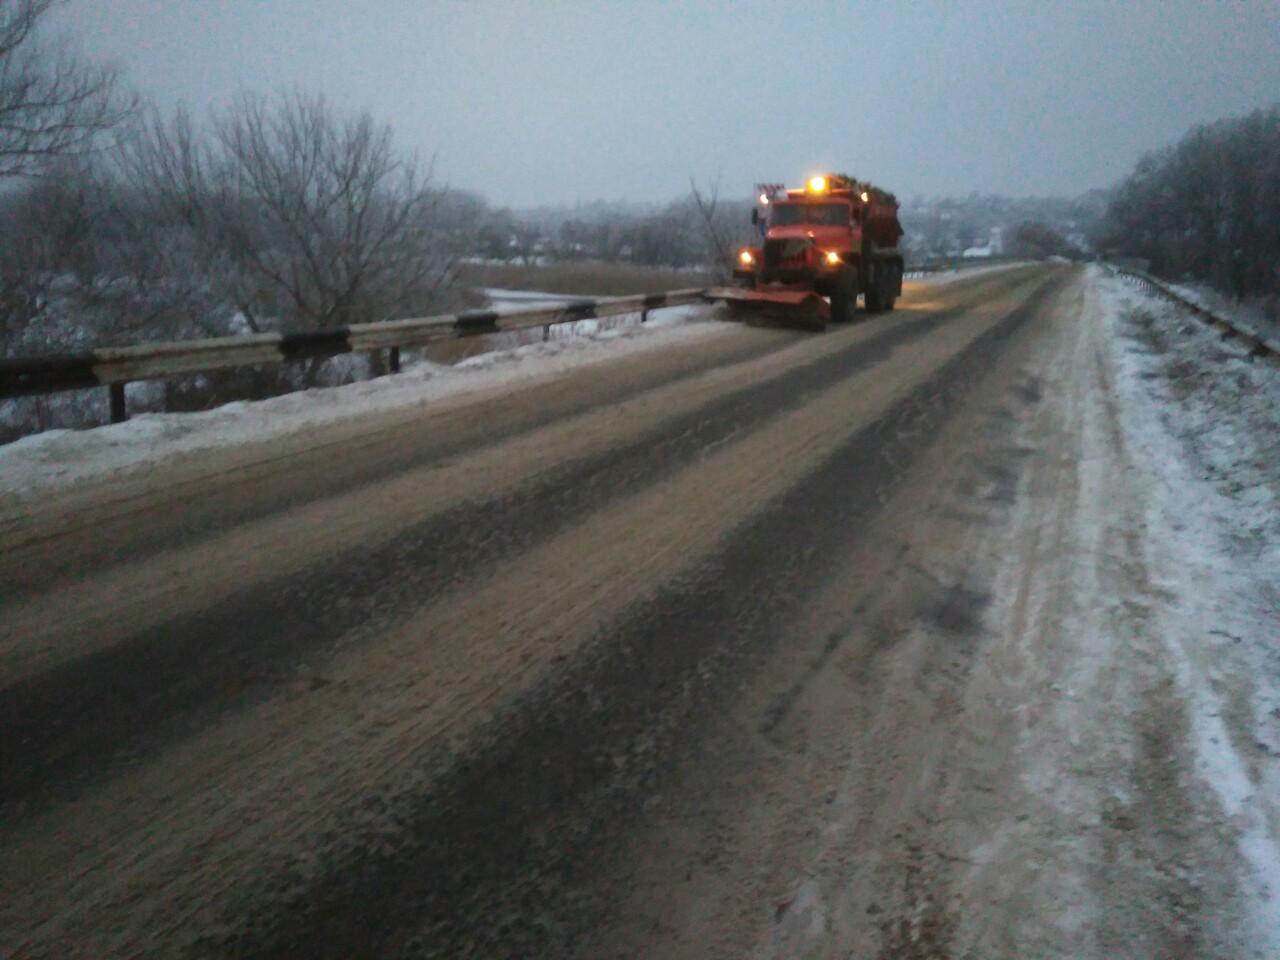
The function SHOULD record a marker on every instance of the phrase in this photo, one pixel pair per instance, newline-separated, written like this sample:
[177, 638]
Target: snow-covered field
[976, 270]
[501, 299]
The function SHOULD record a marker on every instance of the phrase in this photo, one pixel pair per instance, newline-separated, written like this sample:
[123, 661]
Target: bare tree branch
[51, 103]
[321, 221]
[716, 239]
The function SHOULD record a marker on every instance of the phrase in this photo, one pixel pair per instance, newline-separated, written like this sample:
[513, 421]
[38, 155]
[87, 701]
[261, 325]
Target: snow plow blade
[790, 308]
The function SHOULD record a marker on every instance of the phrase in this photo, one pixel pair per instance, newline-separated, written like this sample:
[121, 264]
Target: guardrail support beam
[119, 411]
[393, 359]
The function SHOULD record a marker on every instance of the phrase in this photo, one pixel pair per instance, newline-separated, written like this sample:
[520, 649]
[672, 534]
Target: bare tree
[1206, 207]
[89, 260]
[39, 227]
[306, 219]
[323, 212]
[722, 225]
[51, 103]
[707, 211]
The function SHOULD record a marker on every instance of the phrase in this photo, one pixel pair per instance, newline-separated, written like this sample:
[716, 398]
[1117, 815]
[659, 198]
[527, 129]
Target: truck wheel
[843, 296]
[894, 287]
[872, 299]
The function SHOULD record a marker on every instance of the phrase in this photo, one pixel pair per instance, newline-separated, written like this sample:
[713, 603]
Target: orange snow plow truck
[833, 239]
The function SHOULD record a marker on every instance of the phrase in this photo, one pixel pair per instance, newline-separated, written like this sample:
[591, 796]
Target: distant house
[994, 247]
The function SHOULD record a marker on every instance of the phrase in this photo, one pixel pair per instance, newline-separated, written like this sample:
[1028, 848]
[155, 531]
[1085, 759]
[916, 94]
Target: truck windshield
[824, 214]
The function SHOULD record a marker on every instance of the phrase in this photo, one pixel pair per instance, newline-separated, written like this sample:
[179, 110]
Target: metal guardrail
[1259, 344]
[113, 367]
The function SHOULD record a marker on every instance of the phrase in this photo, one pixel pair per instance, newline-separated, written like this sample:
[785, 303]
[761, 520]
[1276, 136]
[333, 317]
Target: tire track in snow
[74, 723]
[428, 876]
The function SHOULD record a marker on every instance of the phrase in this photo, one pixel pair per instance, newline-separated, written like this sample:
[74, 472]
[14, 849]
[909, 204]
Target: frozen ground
[1204, 421]
[1049, 729]
[1260, 314]
[1010, 694]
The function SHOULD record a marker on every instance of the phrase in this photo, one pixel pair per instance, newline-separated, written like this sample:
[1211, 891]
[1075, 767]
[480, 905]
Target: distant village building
[994, 247]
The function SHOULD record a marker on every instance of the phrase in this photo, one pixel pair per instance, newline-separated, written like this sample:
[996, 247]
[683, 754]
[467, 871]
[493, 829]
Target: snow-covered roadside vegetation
[1260, 313]
[1203, 420]
[1204, 211]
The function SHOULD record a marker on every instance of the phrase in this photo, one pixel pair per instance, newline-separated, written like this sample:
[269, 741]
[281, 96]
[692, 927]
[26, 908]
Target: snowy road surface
[947, 633]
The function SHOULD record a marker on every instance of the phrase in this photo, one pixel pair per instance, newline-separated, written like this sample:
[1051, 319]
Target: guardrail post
[119, 411]
[546, 332]
[393, 359]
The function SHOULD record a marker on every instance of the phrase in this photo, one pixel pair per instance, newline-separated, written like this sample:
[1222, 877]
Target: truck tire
[893, 287]
[873, 299]
[844, 296]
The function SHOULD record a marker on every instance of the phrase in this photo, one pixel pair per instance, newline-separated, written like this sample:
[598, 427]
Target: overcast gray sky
[559, 100]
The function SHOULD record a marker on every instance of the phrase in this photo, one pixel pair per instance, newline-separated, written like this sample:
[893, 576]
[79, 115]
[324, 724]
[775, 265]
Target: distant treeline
[1206, 208]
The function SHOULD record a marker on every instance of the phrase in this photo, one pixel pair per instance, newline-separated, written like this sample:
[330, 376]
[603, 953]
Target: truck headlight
[832, 258]
[746, 258]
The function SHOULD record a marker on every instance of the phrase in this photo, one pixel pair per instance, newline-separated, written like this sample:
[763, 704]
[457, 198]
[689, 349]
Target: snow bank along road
[776, 645]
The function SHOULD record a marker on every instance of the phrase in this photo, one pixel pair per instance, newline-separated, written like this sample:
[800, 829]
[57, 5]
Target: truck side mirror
[755, 216]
